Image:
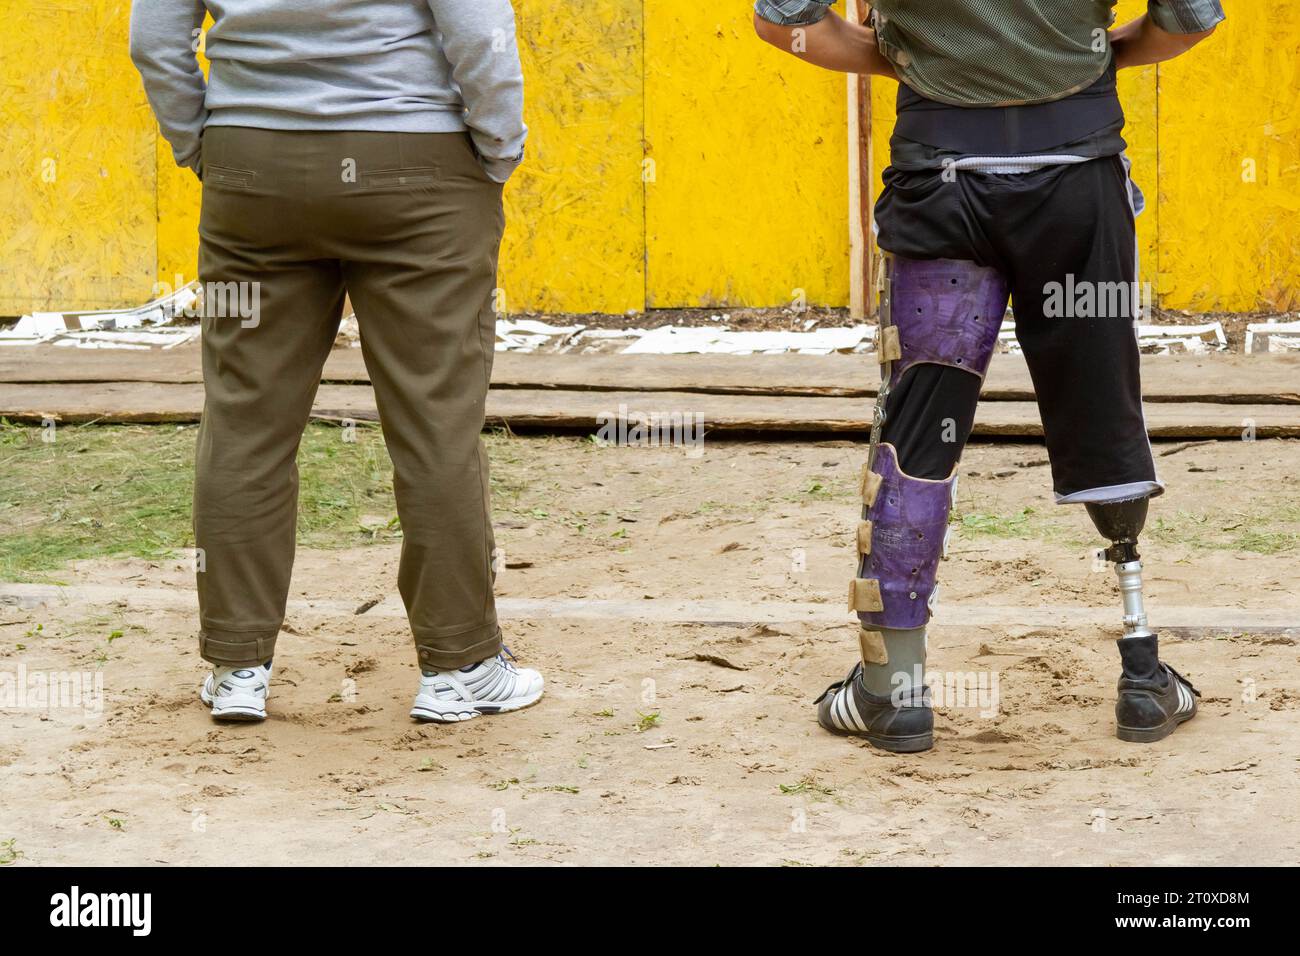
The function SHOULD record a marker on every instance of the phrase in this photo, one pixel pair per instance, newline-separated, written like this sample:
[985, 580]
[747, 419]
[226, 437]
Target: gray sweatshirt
[425, 66]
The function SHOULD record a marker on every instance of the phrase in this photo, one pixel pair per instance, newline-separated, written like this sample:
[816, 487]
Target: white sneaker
[493, 686]
[238, 693]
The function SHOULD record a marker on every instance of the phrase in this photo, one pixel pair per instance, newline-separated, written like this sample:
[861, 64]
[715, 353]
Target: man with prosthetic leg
[939, 326]
[1007, 184]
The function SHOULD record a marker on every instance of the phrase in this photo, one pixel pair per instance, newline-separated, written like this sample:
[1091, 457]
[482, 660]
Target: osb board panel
[179, 195]
[575, 218]
[77, 210]
[1137, 93]
[1230, 165]
[747, 202]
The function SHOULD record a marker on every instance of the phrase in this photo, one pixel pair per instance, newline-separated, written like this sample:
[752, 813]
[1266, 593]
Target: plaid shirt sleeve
[1185, 16]
[792, 12]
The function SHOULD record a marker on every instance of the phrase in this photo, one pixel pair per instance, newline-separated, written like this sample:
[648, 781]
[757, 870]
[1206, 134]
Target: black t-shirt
[1087, 123]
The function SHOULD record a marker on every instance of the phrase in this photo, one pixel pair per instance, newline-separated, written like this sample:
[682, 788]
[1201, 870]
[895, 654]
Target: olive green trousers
[409, 226]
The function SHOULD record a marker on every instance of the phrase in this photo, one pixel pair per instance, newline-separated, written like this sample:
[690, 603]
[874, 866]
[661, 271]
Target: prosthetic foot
[938, 312]
[1154, 699]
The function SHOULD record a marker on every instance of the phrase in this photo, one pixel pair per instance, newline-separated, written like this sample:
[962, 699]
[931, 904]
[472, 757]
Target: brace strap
[872, 645]
[864, 595]
[864, 537]
[868, 486]
[890, 350]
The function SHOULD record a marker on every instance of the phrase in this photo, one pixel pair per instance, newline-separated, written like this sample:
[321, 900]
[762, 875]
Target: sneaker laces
[501, 659]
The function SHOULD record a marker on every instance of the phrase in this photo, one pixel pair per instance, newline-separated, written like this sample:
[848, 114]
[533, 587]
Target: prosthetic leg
[1120, 522]
[1153, 697]
[941, 312]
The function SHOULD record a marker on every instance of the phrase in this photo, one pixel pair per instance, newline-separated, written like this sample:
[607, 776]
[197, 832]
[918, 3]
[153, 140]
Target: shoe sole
[895, 745]
[1149, 735]
[902, 745]
[235, 713]
[239, 715]
[458, 711]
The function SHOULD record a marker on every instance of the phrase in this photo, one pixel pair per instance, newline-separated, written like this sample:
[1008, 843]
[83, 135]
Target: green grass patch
[1262, 530]
[997, 526]
[1265, 542]
[806, 785]
[92, 491]
[104, 491]
[125, 491]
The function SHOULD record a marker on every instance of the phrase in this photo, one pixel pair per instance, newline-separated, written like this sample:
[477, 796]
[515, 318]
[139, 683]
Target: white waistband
[1013, 164]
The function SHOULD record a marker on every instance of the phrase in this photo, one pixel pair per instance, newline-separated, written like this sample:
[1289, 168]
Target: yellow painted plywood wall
[575, 234]
[178, 207]
[674, 161]
[747, 191]
[77, 165]
[1229, 179]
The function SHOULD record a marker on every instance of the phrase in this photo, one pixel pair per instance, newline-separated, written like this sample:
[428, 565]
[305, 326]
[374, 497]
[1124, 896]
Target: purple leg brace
[944, 311]
[908, 522]
[940, 311]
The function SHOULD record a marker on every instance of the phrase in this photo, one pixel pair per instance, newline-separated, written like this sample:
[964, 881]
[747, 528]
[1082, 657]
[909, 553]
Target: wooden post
[860, 184]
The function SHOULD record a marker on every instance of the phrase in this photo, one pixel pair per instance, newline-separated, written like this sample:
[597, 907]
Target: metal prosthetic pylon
[1121, 522]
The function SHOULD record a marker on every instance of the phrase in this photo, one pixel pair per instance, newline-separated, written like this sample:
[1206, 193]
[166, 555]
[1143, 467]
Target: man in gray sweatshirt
[345, 148]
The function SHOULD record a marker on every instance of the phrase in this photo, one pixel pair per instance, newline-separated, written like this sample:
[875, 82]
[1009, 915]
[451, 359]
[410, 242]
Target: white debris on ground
[1167, 339]
[113, 328]
[676, 340]
[167, 322]
[520, 335]
[1152, 339]
[349, 334]
[528, 335]
[531, 335]
[1273, 336]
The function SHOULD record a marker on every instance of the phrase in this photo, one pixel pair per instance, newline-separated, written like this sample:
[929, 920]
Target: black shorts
[1064, 238]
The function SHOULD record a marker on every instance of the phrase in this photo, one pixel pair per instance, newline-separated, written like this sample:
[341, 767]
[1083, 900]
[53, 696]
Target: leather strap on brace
[872, 645]
[868, 486]
[864, 595]
[890, 350]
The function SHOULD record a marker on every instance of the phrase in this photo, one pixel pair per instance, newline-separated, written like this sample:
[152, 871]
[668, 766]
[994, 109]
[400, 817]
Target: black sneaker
[1153, 697]
[904, 726]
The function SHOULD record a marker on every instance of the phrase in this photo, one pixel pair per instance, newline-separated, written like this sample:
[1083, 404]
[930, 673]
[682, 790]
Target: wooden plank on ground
[1226, 379]
[52, 363]
[554, 409]
[1217, 379]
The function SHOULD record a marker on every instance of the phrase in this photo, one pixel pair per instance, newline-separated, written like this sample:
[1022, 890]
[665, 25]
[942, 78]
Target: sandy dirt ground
[678, 743]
